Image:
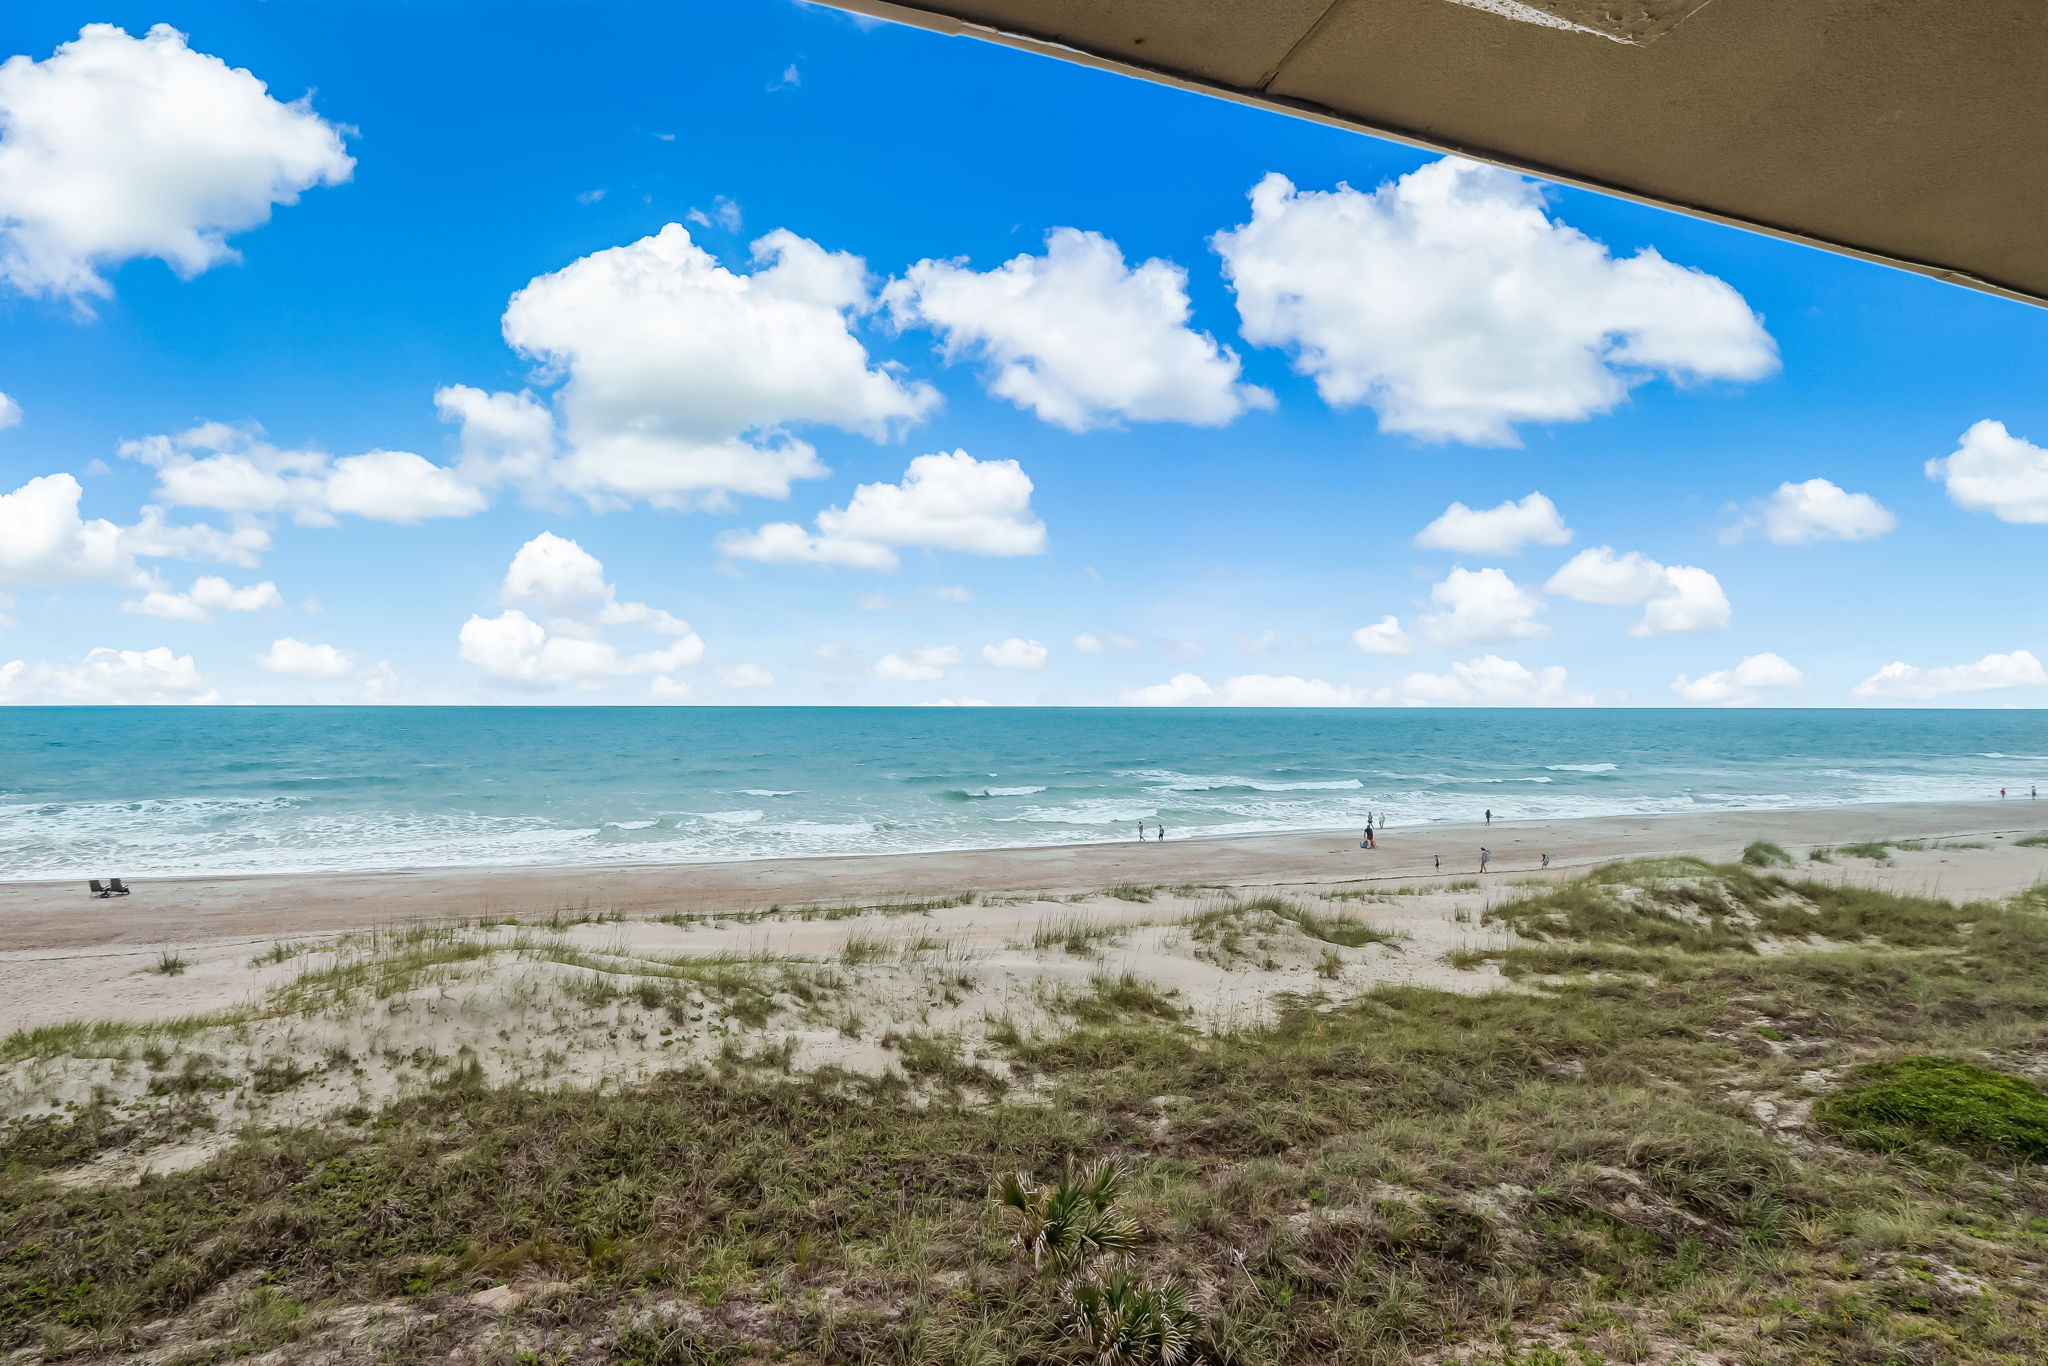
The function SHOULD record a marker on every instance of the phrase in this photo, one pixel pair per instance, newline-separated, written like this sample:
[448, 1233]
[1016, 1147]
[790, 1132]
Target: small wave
[1087, 813]
[631, 825]
[970, 794]
[731, 817]
[1181, 782]
[1582, 768]
[2028, 757]
[766, 792]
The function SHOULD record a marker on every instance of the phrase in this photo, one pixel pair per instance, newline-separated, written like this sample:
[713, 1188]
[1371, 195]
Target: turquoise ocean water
[160, 791]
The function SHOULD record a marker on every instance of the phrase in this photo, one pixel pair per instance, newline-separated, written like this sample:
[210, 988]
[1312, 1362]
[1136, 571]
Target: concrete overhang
[1911, 132]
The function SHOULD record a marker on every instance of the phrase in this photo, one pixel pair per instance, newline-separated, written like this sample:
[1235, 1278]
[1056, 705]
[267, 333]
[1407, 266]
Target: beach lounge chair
[116, 887]
[98, 889]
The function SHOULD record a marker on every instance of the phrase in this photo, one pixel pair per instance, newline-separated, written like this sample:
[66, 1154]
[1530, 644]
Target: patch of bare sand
[318, 1029]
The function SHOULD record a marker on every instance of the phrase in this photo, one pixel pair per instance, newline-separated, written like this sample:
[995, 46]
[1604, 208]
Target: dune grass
[1764, 854]
[1573, 1172]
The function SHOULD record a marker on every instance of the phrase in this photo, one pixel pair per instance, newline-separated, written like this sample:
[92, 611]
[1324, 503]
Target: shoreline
[58, 915]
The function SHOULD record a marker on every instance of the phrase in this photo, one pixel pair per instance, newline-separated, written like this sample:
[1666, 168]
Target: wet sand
[38, 918]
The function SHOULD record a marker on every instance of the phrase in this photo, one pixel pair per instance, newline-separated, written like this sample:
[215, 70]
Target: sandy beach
[69, 957]
[45, 916]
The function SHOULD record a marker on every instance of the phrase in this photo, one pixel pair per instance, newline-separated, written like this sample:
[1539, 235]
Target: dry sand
[41, 916]
[309, 1004]
[64, 956]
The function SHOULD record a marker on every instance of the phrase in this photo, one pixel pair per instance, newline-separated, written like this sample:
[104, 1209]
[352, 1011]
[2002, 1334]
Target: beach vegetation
[1764, 854]
[169, 964]
[1663, 1143]
[862, 948]
[1907, 1102]
[2039, 841]
[1076, 934]
[1110, 998]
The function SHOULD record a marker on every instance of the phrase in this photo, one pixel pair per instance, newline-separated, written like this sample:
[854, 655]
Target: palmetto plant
[1066, 1223]
[1122, 1321]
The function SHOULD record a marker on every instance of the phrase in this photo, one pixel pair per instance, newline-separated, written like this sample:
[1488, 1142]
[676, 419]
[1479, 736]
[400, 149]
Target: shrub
[1122, 1321]
[1895, 1105]
[1764, 854]
[1068, 1222]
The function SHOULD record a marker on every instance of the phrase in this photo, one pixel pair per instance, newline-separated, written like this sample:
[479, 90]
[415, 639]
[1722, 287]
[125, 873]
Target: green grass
[169, 964]
[1901, 1104]
[1874, 849]
[1693, 906]
[2039, 841]
[1076, 934]
[1764, 854]
[1110, 999]
[1562, 1174]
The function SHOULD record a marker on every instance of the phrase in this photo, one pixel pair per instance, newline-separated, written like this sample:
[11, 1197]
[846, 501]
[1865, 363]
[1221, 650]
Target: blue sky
[1203, 509]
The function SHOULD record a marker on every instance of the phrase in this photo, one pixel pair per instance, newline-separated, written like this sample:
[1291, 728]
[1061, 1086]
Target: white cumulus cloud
[1078, 337]
[683, 378]
[1501, 530]
[306, 659]
[1481, 605]
[1993, 471]
[117, 147]
[10, 412]
[1740, 686]
[945, 502]
[505, 438]
[1016, 653]
[1245, 690]
[45, 542]
[1814, 510]
[917, 666]
[1384, 637]
[208, 594]
[1490, 681]
[1676, 599]
[233, 469]
[567, 645]
[108, 677]
[1906, 683]
[1455, 306]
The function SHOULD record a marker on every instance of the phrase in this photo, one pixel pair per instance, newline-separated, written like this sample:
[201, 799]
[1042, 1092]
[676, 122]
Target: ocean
[153, 792]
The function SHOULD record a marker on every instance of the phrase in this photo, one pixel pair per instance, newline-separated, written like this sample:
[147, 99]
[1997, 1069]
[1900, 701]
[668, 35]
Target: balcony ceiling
[1904, 131]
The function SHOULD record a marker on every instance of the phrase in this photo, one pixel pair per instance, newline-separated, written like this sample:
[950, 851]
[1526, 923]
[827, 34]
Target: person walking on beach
[1485, 857]
[1162, 832]
[1439, 862]
[1489, 815]
[1546, 860]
